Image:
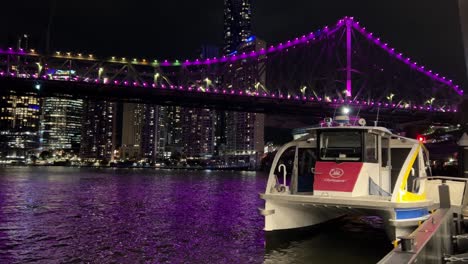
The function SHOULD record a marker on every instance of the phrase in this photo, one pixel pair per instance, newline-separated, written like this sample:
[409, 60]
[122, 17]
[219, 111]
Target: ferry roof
[374, 128]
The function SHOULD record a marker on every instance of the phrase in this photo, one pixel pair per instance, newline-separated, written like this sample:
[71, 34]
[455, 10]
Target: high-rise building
[132, 124]
[153, 127]
[98, 131]
[144, 132]
[237, 24]
[19, 126]
[245, 131]
[61, 124]
[198, 132]
[174, 131]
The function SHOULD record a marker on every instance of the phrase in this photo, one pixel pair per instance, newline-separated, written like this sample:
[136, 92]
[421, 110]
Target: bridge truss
[343, 64]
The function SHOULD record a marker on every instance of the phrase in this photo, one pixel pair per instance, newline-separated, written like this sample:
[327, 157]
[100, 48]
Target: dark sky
[426, 30]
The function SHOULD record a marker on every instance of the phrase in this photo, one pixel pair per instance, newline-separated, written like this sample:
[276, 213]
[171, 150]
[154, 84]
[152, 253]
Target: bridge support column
[463, 142]
[348, 57]
[463, 108]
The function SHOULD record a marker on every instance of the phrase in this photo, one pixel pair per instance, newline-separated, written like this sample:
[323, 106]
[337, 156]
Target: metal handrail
[443, 178]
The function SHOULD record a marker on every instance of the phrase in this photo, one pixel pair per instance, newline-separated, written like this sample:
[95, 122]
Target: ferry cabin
[333, 171]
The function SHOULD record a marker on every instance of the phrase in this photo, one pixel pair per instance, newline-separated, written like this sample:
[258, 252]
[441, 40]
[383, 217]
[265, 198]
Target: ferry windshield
[340, 145]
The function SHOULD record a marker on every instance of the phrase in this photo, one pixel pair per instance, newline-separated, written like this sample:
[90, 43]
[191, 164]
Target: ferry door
[385, 167]
[306, 158]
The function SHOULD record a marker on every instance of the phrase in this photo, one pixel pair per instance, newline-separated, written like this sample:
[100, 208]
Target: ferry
[339, 168]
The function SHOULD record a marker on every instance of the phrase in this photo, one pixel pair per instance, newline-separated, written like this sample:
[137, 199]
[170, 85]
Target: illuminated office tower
[19, 126]
[98, 132]
[237, 24]
[61, 124]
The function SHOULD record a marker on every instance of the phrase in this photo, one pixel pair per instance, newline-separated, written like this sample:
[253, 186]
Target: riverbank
[217, 168]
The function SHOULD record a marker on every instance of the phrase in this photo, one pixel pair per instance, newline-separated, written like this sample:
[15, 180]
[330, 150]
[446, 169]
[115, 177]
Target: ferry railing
[444, 179]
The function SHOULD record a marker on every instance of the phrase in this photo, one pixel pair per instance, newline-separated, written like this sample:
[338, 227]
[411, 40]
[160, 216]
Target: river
[84, 215]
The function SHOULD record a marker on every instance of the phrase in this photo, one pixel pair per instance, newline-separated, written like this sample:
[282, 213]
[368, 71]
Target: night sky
[426, 30]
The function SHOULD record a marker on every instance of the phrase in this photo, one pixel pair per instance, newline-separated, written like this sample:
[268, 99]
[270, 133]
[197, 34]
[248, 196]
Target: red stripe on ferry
[338, 177]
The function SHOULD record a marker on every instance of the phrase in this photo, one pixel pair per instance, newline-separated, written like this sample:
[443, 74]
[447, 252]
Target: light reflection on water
[71, 215]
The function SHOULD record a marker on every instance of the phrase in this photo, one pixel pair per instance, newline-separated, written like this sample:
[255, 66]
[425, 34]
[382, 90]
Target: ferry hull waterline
[339, 169]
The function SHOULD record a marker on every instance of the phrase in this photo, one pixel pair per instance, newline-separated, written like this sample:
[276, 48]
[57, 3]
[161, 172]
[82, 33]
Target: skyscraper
[237, 25]
[198, 132]
[19, 126]
[152, 133]
[174, 130]
[244, 131]
[132, 123]
[98, 131]
[61, 124]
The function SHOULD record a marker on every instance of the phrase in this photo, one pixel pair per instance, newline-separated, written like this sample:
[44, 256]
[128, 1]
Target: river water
[83, 215]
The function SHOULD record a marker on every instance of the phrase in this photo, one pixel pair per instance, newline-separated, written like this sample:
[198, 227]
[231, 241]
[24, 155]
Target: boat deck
[365, 202]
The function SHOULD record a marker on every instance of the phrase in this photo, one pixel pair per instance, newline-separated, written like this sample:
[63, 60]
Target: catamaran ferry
[340, 169]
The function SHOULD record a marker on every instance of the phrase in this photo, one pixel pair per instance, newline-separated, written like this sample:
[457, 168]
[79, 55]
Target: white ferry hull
[285, 212]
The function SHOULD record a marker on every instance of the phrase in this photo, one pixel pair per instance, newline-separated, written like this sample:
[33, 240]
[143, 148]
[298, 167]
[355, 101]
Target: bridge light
[390, 97]
[430, 101]
[37, 87]
[113, 58]
[90, 56]
[124, 59]
[33, 51]
[80, 55]
[58, 53]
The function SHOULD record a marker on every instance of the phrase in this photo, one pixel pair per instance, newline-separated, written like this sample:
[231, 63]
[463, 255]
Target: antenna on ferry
[334, 113]
[357, 115]
[376, 121]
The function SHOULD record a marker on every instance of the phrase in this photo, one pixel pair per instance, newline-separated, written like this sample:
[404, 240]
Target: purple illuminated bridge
[343, 64]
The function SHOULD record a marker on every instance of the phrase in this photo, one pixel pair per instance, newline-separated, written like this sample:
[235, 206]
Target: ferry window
[340, 145]
[385, 151]
[287, 158]
[305, 163]
[370, 145]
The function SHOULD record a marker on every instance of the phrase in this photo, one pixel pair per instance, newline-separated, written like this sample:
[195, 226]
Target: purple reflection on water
[130, 216]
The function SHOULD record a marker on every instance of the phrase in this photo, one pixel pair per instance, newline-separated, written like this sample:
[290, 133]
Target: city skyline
[140, 132]
[101, 131]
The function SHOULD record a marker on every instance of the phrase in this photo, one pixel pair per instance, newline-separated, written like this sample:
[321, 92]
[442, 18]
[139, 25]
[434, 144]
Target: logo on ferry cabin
[336, 173]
